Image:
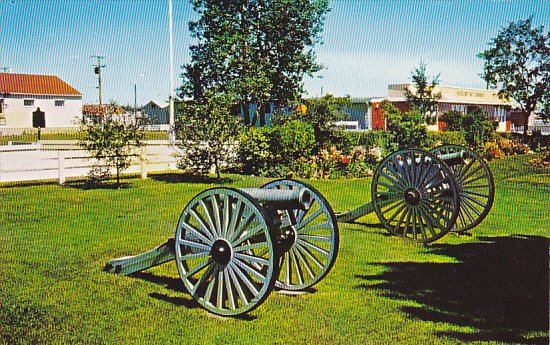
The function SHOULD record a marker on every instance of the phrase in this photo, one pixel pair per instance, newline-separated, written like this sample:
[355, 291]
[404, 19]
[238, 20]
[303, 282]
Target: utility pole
[97, 70]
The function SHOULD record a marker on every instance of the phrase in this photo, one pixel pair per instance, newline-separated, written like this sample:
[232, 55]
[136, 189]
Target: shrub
[257, 150]
[454, 120]
[434, 139]
[321, 114]
[382, 139]
[408, 128]
[297, 139]
[491, 151]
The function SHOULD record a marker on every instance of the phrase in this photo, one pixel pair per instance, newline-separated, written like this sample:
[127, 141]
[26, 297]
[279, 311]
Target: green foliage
[277, 151]
[423, 99]
[321, 114]
[478, 129]
[375, 138]
[518, 63]
[454, 120]
[112, 142]
[206, 133]
[434, 139]
[259, 50]
[258, 150]
[475, 126]
[297, 139]
[407, 128]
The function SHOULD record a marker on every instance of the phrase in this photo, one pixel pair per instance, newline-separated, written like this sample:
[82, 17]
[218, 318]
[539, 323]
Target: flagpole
[172, 136]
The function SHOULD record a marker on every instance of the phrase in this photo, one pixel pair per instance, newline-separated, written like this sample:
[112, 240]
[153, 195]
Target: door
[38, 119]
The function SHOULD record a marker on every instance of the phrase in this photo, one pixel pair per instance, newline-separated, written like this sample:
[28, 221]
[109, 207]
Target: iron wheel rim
[314, 253]
[415, 196]
[233, 217]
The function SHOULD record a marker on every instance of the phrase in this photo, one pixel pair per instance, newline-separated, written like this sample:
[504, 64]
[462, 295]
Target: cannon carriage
[232, 247]
[421, 195]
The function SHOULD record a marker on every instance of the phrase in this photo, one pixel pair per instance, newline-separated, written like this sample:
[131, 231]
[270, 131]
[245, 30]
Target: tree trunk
[245, 114]
[118, 172]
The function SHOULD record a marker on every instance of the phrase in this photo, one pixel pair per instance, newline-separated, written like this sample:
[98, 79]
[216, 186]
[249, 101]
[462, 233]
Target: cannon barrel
[453, 158]
[281, 199]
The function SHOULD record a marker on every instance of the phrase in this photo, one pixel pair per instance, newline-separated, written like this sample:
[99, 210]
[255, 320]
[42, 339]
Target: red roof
[31, 84]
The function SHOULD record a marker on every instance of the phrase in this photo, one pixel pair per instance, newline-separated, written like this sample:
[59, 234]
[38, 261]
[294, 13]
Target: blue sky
[367, 44]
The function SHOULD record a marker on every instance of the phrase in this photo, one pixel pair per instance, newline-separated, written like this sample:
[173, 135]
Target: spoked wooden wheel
[475, 183]
[415, 196]
[314, 240]
[224, 251]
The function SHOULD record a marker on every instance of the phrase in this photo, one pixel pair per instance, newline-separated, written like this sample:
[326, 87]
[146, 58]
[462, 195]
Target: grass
[489, 287]
[32, 136]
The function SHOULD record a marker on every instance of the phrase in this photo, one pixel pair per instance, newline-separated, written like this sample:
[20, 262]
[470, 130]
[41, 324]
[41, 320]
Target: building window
[28, 102]
[59, 103]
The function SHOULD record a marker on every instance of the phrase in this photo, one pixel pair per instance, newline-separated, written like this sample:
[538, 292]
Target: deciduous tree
[518, 64]
[113, 141]
[423, 98]
[259, 50]
[206, 133]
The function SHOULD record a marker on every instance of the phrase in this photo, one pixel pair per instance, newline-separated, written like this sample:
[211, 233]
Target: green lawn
[32, 136]
[489, 287]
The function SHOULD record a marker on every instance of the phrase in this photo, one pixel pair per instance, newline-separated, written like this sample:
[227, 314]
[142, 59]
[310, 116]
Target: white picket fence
[59, 160]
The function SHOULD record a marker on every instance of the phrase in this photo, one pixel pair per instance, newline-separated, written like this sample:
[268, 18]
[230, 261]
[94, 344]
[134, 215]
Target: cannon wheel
[415, 195]
[315, 248]
[476, 186]
[225, 252]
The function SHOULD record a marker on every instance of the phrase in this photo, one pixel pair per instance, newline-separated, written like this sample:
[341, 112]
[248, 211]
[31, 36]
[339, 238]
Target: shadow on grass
[499, 287]
[175, 284]
[188, 178]
[97, 186]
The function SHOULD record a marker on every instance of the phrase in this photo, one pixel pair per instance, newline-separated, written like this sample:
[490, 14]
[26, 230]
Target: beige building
[461, 99]
[32, 101]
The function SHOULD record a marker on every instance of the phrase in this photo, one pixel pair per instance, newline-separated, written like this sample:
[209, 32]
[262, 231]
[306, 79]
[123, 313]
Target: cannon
[421, 195]
[232, 247]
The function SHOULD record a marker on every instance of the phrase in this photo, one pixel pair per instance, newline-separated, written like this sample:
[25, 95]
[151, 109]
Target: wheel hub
[413, 196]
[221, 252]
[286, 239]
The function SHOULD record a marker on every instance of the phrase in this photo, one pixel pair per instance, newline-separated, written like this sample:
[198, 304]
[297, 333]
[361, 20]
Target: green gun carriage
[233, 246]
[421, 195]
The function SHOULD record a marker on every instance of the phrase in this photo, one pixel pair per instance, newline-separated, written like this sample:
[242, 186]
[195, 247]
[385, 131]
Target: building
[452, 98]
[114, 110]
[32, 101]
[157, 112]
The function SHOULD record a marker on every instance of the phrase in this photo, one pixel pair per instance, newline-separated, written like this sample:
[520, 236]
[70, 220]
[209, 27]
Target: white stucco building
[32, 101]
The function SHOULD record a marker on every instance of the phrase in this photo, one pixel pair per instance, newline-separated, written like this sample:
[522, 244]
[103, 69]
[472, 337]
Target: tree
[423, 98]
[112, 141]
[259, 50]
[206, 133]
[518, 64]
[407, 128]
